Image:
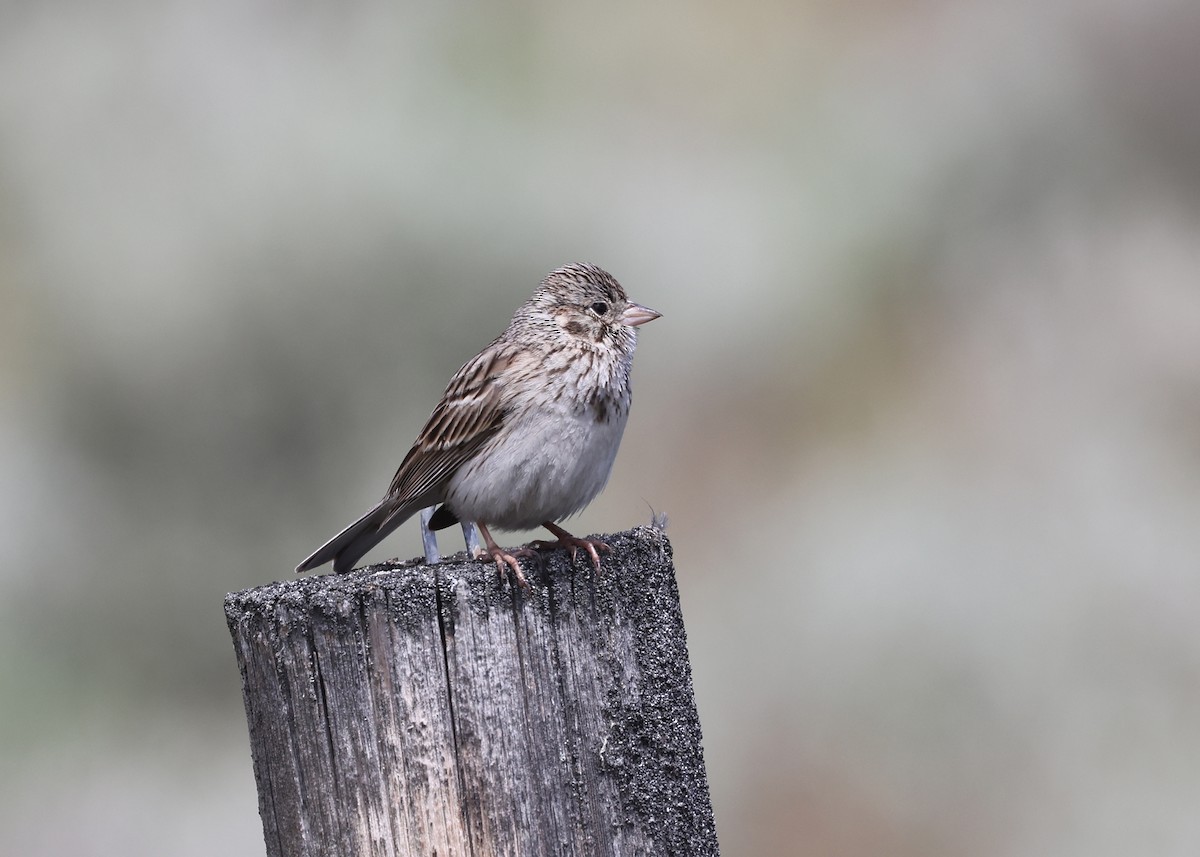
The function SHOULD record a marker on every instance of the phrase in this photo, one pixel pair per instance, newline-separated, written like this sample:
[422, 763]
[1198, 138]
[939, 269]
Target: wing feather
[471, 411]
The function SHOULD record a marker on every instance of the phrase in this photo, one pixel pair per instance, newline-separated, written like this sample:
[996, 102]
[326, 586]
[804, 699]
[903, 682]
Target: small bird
[527, 430]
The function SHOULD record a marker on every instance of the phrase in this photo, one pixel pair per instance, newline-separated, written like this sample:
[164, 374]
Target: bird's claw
[573, 544]
[505, 561]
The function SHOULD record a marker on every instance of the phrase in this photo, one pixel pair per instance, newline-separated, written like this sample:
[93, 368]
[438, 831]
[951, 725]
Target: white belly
[550, 466]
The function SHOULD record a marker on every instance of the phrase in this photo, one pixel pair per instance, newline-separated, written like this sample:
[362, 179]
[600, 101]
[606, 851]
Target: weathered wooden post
[432, 710]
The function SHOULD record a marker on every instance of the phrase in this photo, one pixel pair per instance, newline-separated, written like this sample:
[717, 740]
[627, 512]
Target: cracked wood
[406, 709]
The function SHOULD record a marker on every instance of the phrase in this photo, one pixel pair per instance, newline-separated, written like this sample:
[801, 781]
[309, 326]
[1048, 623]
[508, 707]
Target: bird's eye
[599, 307]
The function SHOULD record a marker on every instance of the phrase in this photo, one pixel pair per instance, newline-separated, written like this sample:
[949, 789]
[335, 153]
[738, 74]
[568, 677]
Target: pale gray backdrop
[923, 407]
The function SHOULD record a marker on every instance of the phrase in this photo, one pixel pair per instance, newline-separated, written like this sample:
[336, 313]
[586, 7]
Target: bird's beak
[636, 314]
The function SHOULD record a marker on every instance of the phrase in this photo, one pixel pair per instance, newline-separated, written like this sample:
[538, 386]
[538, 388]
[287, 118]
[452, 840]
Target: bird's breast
[548, 462]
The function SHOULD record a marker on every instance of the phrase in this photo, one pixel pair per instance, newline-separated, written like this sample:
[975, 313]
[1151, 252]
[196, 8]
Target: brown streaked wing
[471, 411]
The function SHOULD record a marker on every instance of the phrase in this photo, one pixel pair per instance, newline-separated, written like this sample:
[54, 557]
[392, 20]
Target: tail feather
[442, 518]
[349, 546]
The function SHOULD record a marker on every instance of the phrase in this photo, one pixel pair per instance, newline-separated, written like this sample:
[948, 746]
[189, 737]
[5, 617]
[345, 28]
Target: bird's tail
[349, 546]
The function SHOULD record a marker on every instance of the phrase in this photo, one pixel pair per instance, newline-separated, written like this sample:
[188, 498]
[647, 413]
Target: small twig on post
[429, 537]
[418, 710]
[470, 537]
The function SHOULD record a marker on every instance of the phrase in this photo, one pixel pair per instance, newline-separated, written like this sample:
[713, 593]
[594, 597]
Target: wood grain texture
[406, 709]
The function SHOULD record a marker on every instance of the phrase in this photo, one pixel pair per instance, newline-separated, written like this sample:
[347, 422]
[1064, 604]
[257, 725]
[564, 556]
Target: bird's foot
[505, 560]
[572, 543]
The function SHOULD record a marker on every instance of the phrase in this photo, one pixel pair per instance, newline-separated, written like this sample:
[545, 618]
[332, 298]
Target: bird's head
[586, 304]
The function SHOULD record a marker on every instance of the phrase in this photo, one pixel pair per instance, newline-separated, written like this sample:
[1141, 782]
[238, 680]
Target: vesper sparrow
[527, 430]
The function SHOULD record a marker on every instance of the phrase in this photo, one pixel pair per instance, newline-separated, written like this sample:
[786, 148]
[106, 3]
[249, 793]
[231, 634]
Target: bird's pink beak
[636, 314]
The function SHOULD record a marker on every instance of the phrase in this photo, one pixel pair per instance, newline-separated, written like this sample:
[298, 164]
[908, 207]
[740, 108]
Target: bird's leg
[502, 557]
[428, 538]
[572, 543]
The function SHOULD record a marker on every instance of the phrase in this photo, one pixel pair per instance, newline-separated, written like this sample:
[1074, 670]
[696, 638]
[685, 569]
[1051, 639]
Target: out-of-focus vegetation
[923, 407]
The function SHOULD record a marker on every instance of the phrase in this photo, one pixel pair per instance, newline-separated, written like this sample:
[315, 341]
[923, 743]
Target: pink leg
[573, 543]
[503, 559]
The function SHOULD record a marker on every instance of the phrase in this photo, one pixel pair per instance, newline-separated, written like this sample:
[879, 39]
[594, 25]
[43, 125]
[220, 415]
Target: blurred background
[923, 406]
